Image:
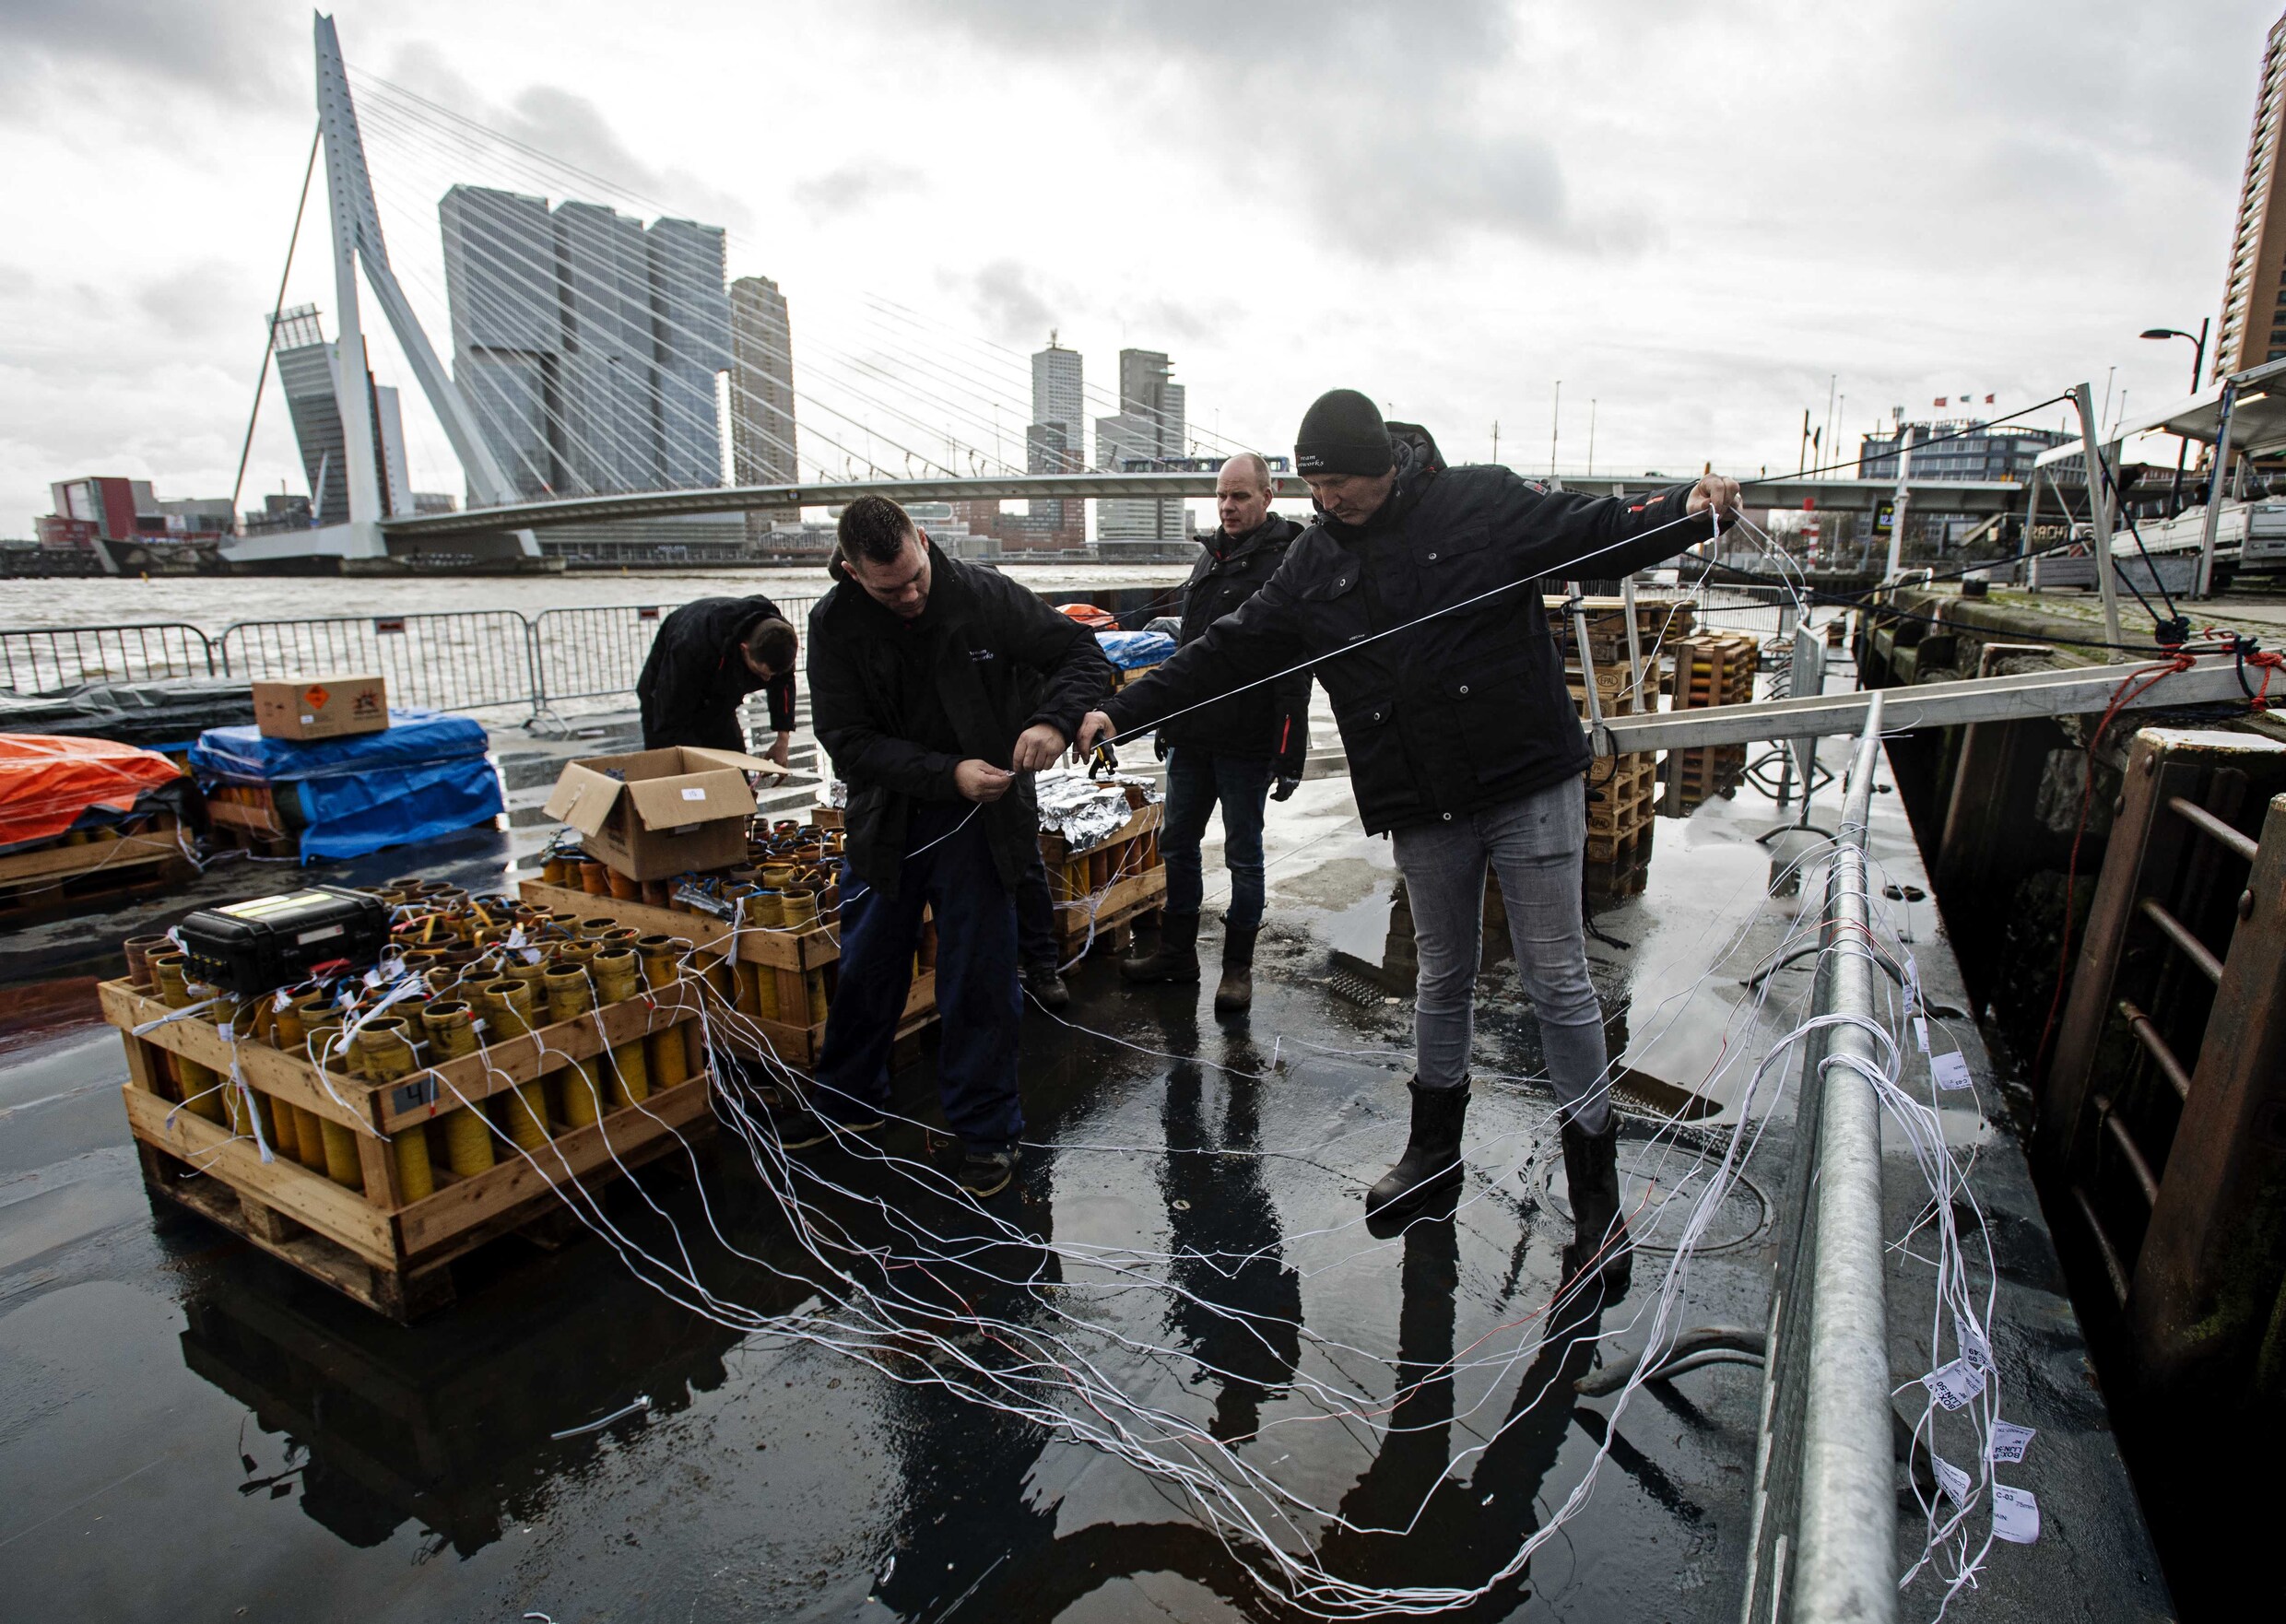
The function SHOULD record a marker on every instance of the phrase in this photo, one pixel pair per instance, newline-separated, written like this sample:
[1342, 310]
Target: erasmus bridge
[846, 452]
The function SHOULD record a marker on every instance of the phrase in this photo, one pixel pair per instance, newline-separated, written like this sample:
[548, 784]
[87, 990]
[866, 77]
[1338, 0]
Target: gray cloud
[1399, 126]
[576, 136]
[238, 53]
[853, 188]
[1013, 307]
[210, 299]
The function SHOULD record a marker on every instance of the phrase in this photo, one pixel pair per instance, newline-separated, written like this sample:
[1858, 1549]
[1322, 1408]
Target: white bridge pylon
[358, 242]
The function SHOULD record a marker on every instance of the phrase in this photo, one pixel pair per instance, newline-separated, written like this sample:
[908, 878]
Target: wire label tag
[2015, 1516]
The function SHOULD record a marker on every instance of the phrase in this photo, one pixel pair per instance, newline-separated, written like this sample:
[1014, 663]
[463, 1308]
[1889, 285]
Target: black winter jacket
[988, 637]
[1272, 720]
[1462, 712]
[693, 681]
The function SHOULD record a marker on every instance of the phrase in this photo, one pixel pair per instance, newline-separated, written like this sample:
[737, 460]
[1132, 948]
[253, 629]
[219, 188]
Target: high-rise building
[1147, 431]
[1059, 401]
[587, 343]
[305, 368]
[691, 345]
[1054, 442]
[2254, 298]
[763, 441]
[503, 291]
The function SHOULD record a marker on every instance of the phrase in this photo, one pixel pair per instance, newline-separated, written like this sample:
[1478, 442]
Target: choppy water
[212, 603]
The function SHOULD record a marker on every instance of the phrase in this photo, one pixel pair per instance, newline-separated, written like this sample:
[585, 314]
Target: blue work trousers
[949, 868]
[1195, 780]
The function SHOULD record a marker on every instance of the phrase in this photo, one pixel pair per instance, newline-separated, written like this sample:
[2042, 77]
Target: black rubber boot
[985, 1170]
[1044, 980]
[1432, 1156]
[1599, 1245]
[1176, 956]
[1236, 991]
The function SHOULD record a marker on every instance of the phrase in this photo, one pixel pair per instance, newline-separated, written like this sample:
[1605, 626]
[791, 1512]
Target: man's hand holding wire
[1718, 493]
[1095, 728]
[1037, 747]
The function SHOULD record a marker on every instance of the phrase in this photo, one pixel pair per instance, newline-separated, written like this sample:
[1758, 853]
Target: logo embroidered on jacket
[980, 654]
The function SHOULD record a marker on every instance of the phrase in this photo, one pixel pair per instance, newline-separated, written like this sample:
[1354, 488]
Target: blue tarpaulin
[425, 774]
[1131, 651]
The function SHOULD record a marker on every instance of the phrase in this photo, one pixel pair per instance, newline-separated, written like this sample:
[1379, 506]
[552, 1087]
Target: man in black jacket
[919, 668]
[1230, 751]
[708, 656]
[1416, 595]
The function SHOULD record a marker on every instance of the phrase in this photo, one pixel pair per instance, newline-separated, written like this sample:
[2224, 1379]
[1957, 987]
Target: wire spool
[467, 1136]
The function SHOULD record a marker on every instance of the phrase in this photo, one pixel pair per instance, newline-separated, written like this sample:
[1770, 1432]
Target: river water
[212, 603]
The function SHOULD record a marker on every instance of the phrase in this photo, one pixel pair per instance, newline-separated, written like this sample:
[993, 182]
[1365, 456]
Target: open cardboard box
[658, 813]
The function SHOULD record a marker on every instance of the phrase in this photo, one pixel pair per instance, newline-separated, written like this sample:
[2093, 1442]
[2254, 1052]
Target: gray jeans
[1534, 845]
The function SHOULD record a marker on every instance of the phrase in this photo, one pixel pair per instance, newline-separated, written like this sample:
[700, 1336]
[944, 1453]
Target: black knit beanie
[1343, 433]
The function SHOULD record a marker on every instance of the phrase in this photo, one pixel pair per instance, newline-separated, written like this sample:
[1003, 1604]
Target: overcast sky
[1694, 214]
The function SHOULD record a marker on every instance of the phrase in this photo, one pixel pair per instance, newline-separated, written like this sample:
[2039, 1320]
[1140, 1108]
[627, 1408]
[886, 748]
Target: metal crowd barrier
[471, 660]
[1825, 1506]
[595, 653]
[39, 659]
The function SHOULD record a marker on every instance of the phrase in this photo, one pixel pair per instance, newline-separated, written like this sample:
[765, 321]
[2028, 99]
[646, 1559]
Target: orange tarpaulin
[1088, 615]
[46, 782]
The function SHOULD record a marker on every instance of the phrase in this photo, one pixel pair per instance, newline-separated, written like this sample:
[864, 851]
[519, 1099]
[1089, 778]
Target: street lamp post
[2198, 365]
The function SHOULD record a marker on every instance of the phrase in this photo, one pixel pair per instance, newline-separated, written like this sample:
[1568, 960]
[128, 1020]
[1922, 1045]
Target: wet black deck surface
[190, 1431]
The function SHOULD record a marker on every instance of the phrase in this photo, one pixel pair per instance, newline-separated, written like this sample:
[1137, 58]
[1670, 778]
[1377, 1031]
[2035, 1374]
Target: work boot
[1599, 1245]
[1176, 958]
[1043, 979]
[986, 1169]
[1236, 991]
[1432, 1152]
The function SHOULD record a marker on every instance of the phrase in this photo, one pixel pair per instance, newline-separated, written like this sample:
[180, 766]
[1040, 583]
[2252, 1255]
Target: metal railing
[1825, 1507]
[39, 659]
[588, 654]
[470, 660]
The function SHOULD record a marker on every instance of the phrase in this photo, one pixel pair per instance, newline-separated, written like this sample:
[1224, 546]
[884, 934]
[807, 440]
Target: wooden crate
[1618, 866]
[791, 957]
[1108, 888]
[1711, 668]
[248, 819]
[62, 875]
[372, 1245]
[1629, 798]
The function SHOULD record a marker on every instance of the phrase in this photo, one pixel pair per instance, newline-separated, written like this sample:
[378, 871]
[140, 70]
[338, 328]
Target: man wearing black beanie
[1415, 599]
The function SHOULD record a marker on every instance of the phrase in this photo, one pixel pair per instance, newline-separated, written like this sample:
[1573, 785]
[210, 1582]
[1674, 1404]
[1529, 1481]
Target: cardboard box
[659, 813]
[321, 707]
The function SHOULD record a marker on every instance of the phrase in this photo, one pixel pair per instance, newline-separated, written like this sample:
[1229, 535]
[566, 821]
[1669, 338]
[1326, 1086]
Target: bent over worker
[1416, 595]
[1228, 751]
[708, 656]
[920, 689]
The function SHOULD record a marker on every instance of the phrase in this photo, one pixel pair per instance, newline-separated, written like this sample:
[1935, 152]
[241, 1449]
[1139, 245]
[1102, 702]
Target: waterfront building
[763, 441]
[305, 361]
[1147, 433]
[1980, 452]
[2253, 294]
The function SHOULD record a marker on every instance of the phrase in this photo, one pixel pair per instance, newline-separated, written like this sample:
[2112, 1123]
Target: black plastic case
[269, 942]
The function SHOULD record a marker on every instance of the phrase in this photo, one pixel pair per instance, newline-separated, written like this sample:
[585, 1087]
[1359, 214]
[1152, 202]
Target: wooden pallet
[1711, 668]
[370, 1243]
[258, 830]
[1629, 797]
[61, 875]
[1108, 888]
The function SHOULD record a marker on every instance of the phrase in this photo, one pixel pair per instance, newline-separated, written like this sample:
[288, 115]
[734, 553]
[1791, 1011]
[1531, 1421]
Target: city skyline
[1722, 278]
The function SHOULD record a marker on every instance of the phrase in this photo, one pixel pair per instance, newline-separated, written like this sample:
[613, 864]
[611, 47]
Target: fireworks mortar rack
[427, 1087]
[781, 907]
